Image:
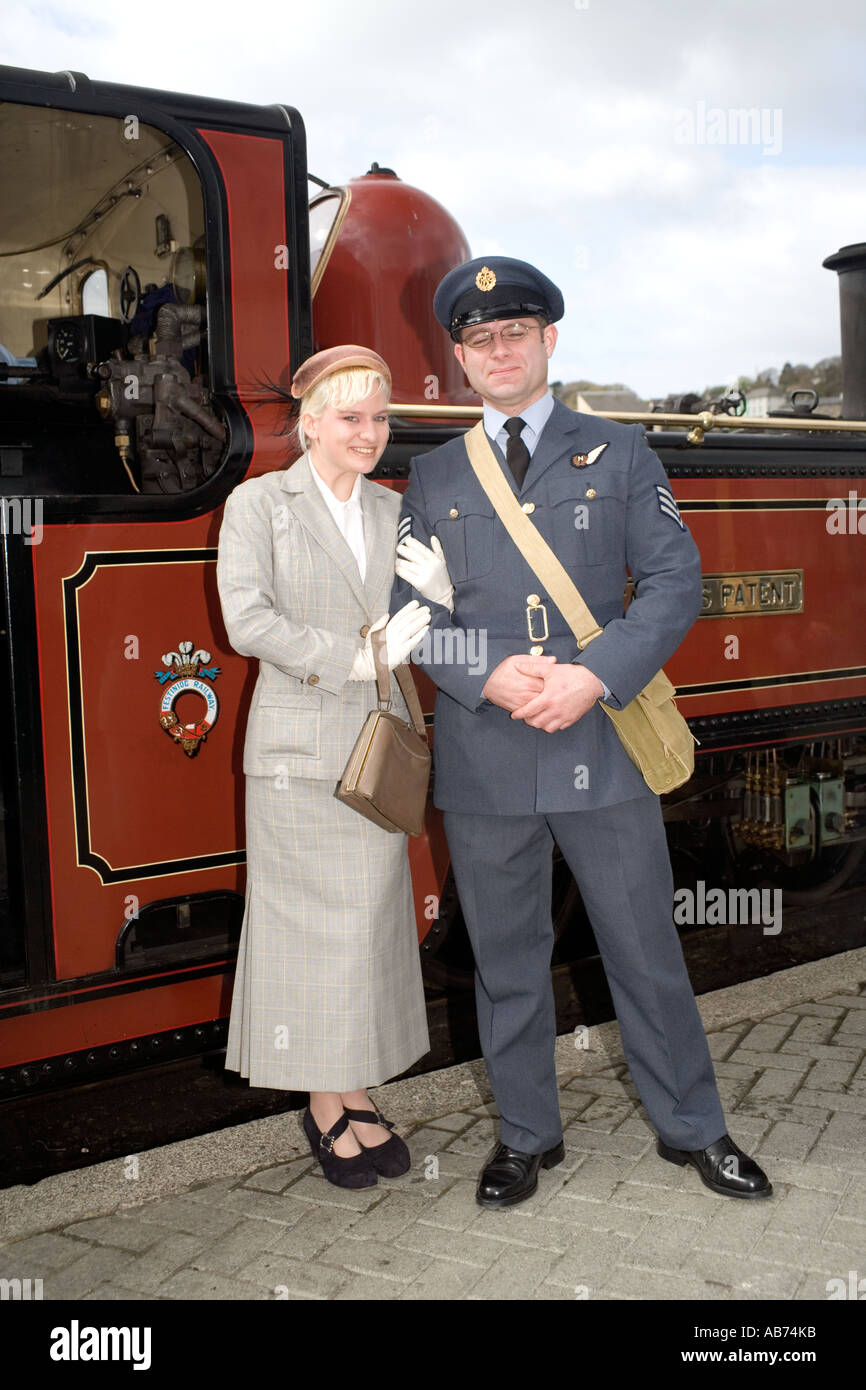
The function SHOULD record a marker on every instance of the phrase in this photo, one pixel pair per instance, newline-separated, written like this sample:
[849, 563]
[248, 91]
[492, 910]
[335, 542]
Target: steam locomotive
[165, 259]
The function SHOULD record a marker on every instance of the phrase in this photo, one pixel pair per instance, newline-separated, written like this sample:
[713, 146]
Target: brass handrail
[698, 424]
[437, 412]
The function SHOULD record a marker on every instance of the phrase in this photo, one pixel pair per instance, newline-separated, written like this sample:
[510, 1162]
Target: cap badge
[485, 279]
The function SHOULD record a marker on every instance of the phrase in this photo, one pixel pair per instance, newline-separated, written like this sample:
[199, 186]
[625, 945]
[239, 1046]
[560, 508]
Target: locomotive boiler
[164, 264]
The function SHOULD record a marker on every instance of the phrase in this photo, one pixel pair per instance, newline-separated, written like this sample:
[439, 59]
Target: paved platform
[245, 1214]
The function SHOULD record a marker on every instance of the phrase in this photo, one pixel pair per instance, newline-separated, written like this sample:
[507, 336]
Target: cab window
[104, 385]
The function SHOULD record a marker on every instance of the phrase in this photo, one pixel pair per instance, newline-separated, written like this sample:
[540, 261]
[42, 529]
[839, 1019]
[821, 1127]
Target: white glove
[402, 632]
[426, 570]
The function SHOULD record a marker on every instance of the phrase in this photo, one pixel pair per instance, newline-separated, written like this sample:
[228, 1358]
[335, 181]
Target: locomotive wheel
[815, 882]
[801, 884]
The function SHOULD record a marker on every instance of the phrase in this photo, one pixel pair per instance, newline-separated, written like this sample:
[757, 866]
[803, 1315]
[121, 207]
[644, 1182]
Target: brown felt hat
[335, 359]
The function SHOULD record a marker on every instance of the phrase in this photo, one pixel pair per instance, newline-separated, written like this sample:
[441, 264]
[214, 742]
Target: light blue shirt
[536, 417]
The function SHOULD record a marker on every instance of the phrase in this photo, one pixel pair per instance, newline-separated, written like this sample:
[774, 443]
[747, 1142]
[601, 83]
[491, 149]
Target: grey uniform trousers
[619, 858]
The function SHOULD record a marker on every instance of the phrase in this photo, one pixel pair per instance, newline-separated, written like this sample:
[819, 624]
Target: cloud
[550, 132]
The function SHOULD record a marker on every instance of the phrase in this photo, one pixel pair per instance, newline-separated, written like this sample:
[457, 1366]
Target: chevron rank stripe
[667, 505]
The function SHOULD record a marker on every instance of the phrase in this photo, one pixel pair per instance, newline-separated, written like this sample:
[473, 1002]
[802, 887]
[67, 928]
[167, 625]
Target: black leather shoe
[723, 1167]
[510, 1176]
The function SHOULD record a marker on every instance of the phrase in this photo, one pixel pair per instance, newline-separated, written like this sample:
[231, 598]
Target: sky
[598, 139]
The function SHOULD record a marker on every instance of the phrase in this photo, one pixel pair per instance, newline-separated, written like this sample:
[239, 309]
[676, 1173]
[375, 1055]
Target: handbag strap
[404, 680]
[531, 544]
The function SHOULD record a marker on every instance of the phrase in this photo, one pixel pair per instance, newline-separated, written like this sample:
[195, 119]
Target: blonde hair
[340, 390]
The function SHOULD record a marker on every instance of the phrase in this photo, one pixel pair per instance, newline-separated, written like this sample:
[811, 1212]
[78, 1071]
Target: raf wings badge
[185, 673]
[584, 460]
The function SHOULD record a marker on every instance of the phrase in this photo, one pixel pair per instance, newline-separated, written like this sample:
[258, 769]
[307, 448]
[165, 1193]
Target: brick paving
[612, 1222]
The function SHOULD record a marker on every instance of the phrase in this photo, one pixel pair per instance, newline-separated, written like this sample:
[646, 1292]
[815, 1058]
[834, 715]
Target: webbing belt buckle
[534, 611]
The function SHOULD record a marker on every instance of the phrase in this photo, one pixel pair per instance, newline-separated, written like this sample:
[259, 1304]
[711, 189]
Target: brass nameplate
[745, 595]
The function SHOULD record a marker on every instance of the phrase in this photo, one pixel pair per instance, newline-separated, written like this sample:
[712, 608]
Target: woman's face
[352, 439]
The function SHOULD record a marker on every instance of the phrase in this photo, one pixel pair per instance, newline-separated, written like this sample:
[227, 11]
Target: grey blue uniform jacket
[614, 513]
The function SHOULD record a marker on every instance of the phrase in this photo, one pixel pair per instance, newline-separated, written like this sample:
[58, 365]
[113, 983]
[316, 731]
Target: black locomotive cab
[103, 308]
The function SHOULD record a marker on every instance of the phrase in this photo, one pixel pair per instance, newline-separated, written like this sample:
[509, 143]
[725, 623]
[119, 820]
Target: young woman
[328, 995]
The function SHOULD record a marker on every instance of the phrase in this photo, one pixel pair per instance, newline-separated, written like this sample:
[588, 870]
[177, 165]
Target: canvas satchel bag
[388, 771]
[651, 729]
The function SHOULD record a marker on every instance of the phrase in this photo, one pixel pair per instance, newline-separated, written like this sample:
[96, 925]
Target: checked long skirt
[328, 993]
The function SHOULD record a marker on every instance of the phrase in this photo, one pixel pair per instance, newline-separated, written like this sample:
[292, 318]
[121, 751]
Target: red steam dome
[380, 248]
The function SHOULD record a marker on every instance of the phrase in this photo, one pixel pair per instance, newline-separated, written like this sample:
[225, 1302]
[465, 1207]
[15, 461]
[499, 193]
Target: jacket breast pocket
[589, 530]
[466, 532]
[288, 723]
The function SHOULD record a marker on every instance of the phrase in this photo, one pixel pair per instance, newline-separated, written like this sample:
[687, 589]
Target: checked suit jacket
[292, 595]
[605, 518]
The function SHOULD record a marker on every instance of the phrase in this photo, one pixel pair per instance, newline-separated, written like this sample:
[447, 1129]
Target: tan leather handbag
[388, 771]
[650, 728]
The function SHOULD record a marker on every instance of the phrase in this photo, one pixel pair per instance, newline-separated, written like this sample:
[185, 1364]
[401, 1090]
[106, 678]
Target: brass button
[590, 492]
[365, 629]
[536, 651]
[528, 507]
[533, 600]
[312, 680]
[453, 512]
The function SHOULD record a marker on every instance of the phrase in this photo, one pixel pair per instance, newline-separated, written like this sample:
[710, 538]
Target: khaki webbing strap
[532, 546]
[404, 680]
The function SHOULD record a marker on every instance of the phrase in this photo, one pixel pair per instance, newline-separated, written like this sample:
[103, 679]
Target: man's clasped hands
[543, 692]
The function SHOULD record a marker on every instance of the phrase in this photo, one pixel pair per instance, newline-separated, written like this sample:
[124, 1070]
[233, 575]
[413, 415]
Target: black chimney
[850, 264]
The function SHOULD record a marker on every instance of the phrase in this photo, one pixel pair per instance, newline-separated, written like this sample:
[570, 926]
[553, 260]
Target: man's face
[509, 375]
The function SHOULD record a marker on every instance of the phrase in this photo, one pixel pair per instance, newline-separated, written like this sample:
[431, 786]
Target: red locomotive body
[156, 276]
[769, 555]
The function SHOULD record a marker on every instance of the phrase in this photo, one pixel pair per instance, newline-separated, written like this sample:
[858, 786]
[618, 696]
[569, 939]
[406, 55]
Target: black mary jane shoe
[356, 1171]
[510, 1176]
[391, 1159]
[722, 1167]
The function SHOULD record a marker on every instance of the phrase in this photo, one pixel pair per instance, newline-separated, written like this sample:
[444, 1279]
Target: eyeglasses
[481, 338]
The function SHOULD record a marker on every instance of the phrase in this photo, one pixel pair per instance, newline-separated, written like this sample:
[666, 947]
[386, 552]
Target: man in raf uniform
[524, 755]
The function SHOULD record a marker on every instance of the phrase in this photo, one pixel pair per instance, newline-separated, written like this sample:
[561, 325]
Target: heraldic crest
[187, 672]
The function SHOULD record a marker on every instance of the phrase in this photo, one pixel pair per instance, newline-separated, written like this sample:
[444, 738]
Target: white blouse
[348, 516]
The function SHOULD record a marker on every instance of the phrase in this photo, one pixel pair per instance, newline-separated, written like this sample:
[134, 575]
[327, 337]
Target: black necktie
[517, 454]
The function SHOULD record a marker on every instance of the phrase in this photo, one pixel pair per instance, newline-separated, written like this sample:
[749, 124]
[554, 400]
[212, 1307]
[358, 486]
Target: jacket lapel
[559, 436]
[309, 507]
[380, 540]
